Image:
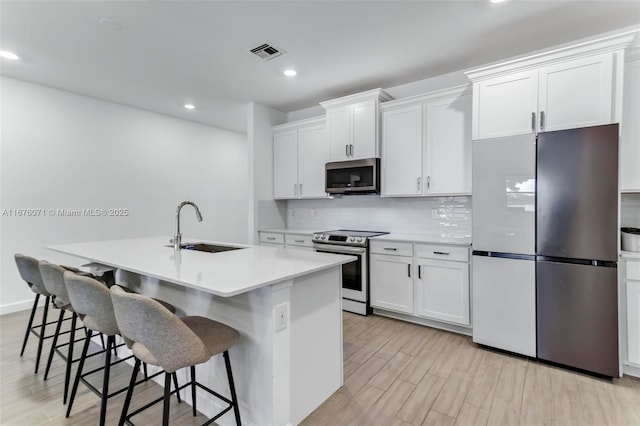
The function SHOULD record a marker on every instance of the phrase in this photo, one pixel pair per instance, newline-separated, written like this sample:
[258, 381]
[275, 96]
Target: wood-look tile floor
[396, 373]
[403, 374]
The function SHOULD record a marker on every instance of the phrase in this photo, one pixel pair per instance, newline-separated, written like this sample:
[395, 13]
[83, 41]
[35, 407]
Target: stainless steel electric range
[355, 275]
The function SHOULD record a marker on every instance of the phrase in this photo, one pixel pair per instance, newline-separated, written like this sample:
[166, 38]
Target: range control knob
[360, 239]
[351, 239]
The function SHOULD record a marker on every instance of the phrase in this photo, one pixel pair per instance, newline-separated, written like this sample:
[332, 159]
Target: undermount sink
[209, 248]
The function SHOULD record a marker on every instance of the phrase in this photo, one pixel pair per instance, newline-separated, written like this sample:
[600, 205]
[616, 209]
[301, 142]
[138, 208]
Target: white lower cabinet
[415, 280]
[632, 273]
[392, 283]
[442, 290]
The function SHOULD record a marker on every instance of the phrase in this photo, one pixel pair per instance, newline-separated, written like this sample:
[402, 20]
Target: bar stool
[92, 299]
[30, 273]
[53, 279]
[172, 343]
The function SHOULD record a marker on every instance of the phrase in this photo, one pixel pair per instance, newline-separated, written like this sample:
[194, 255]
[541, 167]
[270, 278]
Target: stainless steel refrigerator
[545, 228]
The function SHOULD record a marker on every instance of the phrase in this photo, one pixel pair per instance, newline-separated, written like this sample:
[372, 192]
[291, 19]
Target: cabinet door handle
[295, 189]
[390, 248]
[541, 120]
[351, 150]
[409, 270]
[418, 180]
[533, 122]
[419, 271]
[271, 238]
[301, 190]
[346, 150]
[428, 182]
[299, 241]
[444, 253]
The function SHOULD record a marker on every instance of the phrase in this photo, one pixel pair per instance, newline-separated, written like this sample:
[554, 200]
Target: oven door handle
[340, 249]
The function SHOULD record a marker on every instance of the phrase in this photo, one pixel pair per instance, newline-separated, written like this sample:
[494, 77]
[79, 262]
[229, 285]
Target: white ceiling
[171, 52]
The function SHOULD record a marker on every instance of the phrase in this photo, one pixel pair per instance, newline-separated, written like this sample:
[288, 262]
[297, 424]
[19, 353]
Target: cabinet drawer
[269, 237]
[432, 251]
[392, 248]
[298, 240]
[633, 270]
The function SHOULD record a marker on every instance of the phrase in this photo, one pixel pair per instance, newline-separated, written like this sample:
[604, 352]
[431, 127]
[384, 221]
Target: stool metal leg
[175, 383]
[105, 380]
[127, 399]
[167, 399]
[193, 389]
[42, 332]
[232, 388]
[29, 325]
[85, 349]
[53, 344]
[67, 374]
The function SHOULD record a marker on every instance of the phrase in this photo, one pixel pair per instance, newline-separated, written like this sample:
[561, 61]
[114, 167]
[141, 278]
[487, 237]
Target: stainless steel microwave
[353, 177]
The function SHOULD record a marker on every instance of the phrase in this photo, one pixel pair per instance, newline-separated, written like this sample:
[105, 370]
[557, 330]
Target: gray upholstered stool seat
[30, 272]
[53, 279]
[161, 339]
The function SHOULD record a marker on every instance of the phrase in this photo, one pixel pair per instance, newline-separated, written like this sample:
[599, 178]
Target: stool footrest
[188, 384]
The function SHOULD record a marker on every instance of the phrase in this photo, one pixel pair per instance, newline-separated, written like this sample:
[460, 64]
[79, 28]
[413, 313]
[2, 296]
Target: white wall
[59, 150]
[264, 210]
[419, 87]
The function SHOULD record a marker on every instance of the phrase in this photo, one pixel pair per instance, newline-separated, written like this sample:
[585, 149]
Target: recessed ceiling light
[8, 55]
[290, 72]
[189, 106]
[497, 1]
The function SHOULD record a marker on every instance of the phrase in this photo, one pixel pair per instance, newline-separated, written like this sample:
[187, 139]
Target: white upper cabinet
[352, 124]
[448, 153]
[313, 153]
[566, 88]
[338, 129]
[402, 151]
[300, 151]
[506, 106]
[426, 144]
[576, 93]
[630, 127]
[285, 162]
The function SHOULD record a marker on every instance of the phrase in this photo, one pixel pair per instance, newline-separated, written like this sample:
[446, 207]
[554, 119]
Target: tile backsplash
[441, 215]
[630, 210]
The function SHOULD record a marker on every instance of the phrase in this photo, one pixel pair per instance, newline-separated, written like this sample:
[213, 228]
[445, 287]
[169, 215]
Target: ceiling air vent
[266, 51]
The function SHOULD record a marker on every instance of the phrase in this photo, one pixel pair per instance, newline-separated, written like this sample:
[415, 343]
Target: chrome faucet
[177, 238]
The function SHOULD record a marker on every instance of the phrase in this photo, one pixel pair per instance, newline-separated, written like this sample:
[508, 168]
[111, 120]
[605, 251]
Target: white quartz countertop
[223, 274]
[630, 254]
[291, 231]
[450, 239]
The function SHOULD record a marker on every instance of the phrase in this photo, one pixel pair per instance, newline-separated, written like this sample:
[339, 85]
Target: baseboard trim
[19, 306]
[631, 370]
[424, 321]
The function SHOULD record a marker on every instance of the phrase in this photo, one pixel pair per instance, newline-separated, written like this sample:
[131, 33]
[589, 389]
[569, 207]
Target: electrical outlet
[434, 213]
[282, 316]
[312, 212]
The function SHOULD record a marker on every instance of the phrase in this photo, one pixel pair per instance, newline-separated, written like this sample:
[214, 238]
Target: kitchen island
[286, 305]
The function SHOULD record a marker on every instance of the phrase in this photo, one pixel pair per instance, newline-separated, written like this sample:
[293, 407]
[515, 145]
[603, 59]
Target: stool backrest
[53, 280]
[91, 298]
[157, 332]
[30, 272]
